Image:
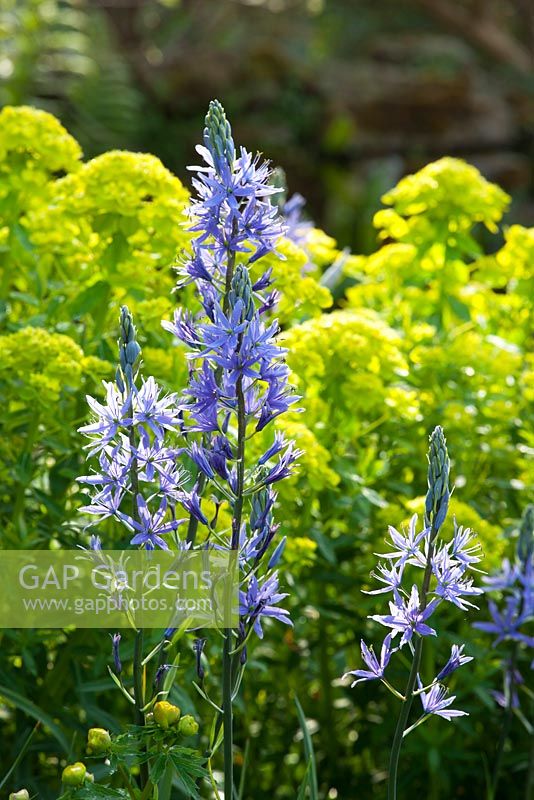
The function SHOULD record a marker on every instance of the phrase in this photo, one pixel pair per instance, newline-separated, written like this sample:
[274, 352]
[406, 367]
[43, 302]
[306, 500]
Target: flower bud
[188, 725]
[115, 649]
[22, 794]
[166, 714]
[198, 647]
[242, 290]
[129, 349]
[218, 136]
[98, 741]
[74, 774]
[437, 497]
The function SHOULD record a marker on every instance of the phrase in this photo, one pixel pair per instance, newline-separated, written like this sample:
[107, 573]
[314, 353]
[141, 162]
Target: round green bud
[98, 741]
[22, 794]
[188, 725]
[74, 774]
[166, 714]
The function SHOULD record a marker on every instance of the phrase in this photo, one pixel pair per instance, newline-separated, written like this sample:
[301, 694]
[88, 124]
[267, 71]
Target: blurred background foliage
[416, 312]
[347, 96]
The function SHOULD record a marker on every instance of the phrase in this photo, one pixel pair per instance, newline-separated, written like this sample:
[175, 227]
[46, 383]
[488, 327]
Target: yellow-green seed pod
[98, 741]
[188, 725]
[74, 774]
[166, 714]
[22, 794]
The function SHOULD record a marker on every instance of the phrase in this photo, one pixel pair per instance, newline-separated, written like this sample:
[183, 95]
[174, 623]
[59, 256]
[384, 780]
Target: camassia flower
[436, 701]
[376, 668]
[456, 660]
[516, 584]
[511, 612]
[238, 385]
[445, 567]
[138, 481]
[239, 382]
[409, 617]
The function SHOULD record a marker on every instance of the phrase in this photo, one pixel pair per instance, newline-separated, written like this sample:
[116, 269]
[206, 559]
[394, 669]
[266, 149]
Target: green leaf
[189, 768]
[94, 296]
[20, 756]
[158, 767]
[459, 308]
[305, 783]
[309, 752]
[373, 497]
[37, 713]
[94, 791]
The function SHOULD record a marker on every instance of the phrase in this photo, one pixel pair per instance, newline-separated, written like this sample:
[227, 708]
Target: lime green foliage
[428, 330]
[301, 294]
[34, 146]
[349, 367]
[43, 377]
[445, 198]
[463, 318]
[430, 269]
[76, 241]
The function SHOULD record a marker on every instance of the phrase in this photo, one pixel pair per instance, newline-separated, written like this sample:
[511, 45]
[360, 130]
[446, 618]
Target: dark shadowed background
[347, 95]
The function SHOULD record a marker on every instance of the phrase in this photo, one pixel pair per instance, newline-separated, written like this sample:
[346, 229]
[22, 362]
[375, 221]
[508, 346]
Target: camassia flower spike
[445, 567]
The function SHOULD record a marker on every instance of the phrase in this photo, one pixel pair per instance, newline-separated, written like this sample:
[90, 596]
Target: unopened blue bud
[218, 136]
[242, 290]
[438, 494]
[278, 553]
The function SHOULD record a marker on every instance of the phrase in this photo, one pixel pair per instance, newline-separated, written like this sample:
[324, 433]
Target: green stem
[529, 789]
[127, 783]
[228, 717]
[230, 264]
[505, 729]
[241, 437]
[139, 694]
[401, 722]
[410, 686]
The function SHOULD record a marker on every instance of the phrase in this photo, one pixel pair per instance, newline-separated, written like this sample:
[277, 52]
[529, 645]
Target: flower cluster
[138, 481]
[445, 567]
[238, 377]
[514, 583]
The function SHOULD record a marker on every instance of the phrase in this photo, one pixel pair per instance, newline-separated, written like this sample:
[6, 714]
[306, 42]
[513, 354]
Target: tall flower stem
[410, 686]
[227, 665]
[227, 662]
[529, 788]
[139, 635]
[228, 722]
[402, 721]
[505, 729]
[193, 521]
[436, 505]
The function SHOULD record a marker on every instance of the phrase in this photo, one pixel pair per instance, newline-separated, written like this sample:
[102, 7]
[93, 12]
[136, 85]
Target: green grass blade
[309, 752]
[37, 713]
[21, 755]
